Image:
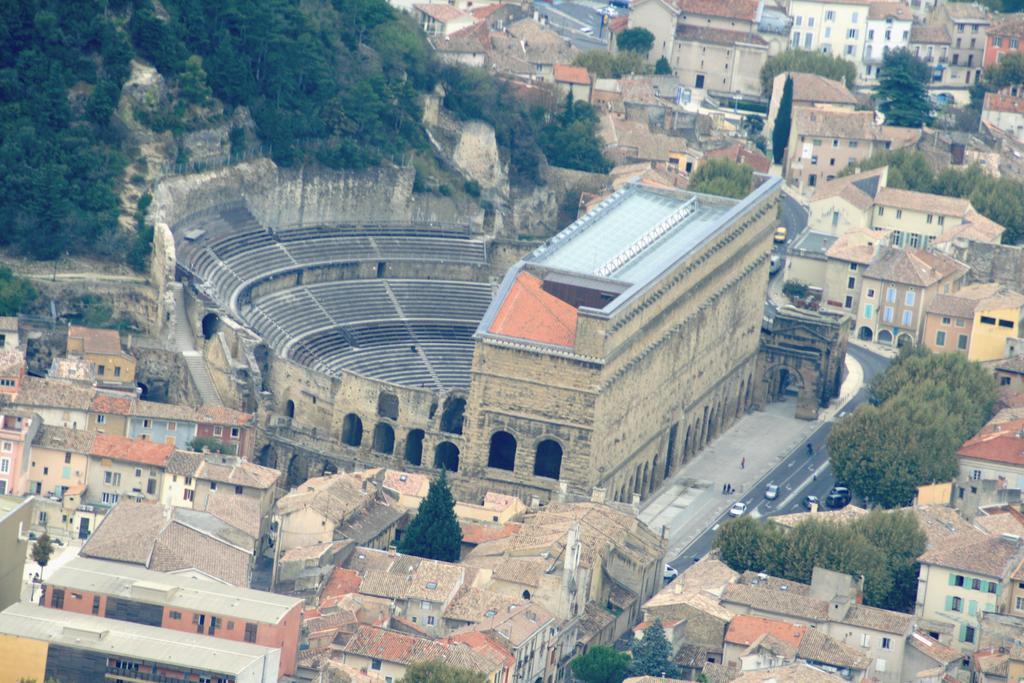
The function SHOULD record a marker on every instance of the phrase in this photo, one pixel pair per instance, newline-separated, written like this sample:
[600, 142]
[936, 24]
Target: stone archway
[210, 324]
[884, 337]
[289, 409]
[446, 455]
[865, 333]
[904, 340]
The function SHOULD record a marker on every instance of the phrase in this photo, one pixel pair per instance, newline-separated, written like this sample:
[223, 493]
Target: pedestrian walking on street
[743, 463]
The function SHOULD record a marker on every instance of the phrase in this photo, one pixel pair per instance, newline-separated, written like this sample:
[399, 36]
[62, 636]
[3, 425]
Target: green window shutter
[949, 603]
[963, 633]
[999, 588]
[990, 608]
[952, 579]
[972, 607]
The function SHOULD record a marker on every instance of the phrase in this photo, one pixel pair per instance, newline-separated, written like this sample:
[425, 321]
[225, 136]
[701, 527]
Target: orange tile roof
[744, 629]
[342, 582]
[476, 534]
[618, 24]
[96, 340]
[1003, 103]
[140, 451]
[441, 13]
[576, 75]
[1002, 442]
[528, 312]
[742, 155]
[111, 405]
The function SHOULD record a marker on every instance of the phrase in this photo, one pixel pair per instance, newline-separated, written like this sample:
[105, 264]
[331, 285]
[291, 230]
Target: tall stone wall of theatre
[533, 396]
[687, 346]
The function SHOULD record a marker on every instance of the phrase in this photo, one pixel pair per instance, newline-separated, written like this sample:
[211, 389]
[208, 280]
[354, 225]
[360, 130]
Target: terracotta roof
[184, 463]
[817, 646]
[835, 123]
[854, 247]
[976, 228]
[442, 12]
[966, 10]
[12, 362]
[744, 629]
[477, 604]
[528, 312]
[718, 36]
[141, 451]
[929, 33]
[777, 602]
[475, 533]
[999, 441]
[219, 415]
[163, 411]
[342, 582]
[526, 44]
[877, 619]
[932, 648]
[793, 673]
[1007, 104]
[407, 483]
[471, 39]
[126, 533]
[1007, 26]
[858, 189]
[889, 10]
[238, 472]
[818, 89]
[111, 405]
[741, 154]
[618, 24]
[745, 10]
[241, 512]
[516, 625]
[977, 553]
[526, 572]
[391, 646]
[923, 202]
[335, 497]
[1002, 521]
[576, 75]
[63, 439]
[913, 267]
[976, 297]
[49, 393]
[96, 340]
[182, 547]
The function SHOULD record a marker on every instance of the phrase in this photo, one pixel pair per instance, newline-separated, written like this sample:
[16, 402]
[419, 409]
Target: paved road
[567, 18]
[798, 475]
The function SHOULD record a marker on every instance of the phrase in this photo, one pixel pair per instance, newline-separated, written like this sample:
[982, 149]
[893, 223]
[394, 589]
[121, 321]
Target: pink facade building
[17, 429]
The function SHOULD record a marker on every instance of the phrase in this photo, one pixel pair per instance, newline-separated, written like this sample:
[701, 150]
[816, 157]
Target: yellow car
[780, 233]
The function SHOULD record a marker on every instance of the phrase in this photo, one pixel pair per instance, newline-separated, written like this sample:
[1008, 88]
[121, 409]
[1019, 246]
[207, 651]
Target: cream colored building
[965, 575]
[102, 348]
[888, 28]
[809, 90]
[976, 321]
[897, 288]
[835, 27]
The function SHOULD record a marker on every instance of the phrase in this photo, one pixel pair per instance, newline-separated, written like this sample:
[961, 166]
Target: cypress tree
[783, 121]
[434, 533]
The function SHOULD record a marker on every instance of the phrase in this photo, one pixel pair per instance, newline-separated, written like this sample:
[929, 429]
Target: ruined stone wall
[133, 300]
[1002, 263]
[164, 375]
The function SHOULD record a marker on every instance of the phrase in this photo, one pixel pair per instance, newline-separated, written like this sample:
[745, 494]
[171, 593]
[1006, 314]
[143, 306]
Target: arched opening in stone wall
[884, 337]
[387, 405]
[865, 333]
[739, 400]
[502, 454]
[210, 325]
[654, 475]
[330, 468]
[783, 383]
[289, 409]
[143, 390]
[446, 455]
[352, 430]
[384, 438]
[414, 447]
[453, 415]
[548, 460]
[643, 482]
[267, 457]
[670, 450]
[904, 340]
[297, 471]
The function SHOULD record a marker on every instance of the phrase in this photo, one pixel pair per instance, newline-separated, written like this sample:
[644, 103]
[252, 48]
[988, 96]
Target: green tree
[570, 139]
[16, 294]
[902, 89]
[744, 545]
[807, 61]
[722, 177]
[601, 664]
[438, 672]
[604, 64]
[637, 39]
[42, 551]
[652, 655]
[899, 536]
[192, 82]
[199, 443]
[662, 67]
[783, 122]
[435, 532]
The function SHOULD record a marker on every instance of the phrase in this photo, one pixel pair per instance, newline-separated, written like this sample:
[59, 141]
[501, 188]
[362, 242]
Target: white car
[586, 30]
[670, 572]
[737, 509]
[772, 492]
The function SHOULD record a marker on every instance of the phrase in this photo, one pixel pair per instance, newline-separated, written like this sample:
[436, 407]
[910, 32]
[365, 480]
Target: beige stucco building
[102, 349]
[977, 321]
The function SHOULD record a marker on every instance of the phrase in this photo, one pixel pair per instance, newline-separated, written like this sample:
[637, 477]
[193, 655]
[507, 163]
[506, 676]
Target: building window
[929, 219]
[886, 644]
[868, 310]
[946, 321]
[988, 320]
[147, 423]
[968, 634]
[138, 472]
[887, 316]
[958, 580]
[1020, 604]
[851, 282]
[853, 266]
[1006, 323]
[189, 495]
[95, 604]
[110, 498]
[940, 338]
[67, 458]
[915, 240]
[117, 371]
[238, 490]
[100, 419]
[899, 214]
[430, 620]
[234, 432]
[375, 664]
[991, 588]
[101, 370]
[961, 342]
[58, 598]
[218, 431]
[8, 446]
[176, 615]
[871, 294]
[188, 481]
[250, 633]
[213, 486]
[975, 584]
[896, 238]
[42, 517]
[835, 143]
[852, 143]
[890, 295]
[960, 322]
[956, 604]
[908, 317]
[851, 34]
[1004, 381]
[848, 303]
[830, 15]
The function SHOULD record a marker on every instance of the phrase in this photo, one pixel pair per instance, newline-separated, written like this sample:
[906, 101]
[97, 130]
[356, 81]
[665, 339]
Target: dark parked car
[838, 497]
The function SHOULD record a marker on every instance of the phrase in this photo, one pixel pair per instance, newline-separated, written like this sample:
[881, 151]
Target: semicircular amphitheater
[394, 302]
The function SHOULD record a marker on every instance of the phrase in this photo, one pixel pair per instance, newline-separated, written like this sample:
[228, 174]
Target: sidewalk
[692, 500]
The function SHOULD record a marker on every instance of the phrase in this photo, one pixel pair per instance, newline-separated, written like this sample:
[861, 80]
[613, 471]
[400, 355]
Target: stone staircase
[185, 344]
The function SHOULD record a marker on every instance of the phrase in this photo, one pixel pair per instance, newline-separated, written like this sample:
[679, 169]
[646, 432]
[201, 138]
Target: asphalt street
[797, 476]
[567, 18]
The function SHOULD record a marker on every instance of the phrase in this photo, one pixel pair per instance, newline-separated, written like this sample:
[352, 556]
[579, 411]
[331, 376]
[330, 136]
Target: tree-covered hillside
[338, 82]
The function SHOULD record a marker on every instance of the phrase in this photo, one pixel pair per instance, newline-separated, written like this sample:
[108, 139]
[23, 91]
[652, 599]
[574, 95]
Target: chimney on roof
[392, 550]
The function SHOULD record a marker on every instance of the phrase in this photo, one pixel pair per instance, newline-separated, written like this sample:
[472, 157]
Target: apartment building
[41, 644]
[888, 28]
[1005, 36]
[846, 260]
[897, 287]
[967, 25]
[835, 27]
[976, 321]
[12, 371]
[932, 43]
[170, 601]
[17, 430]
[16, 514]
[809, 90]
[965, 575]
[994, 454]
[824, 142]
[113, 367]
[57, 403]
[1004, 110]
